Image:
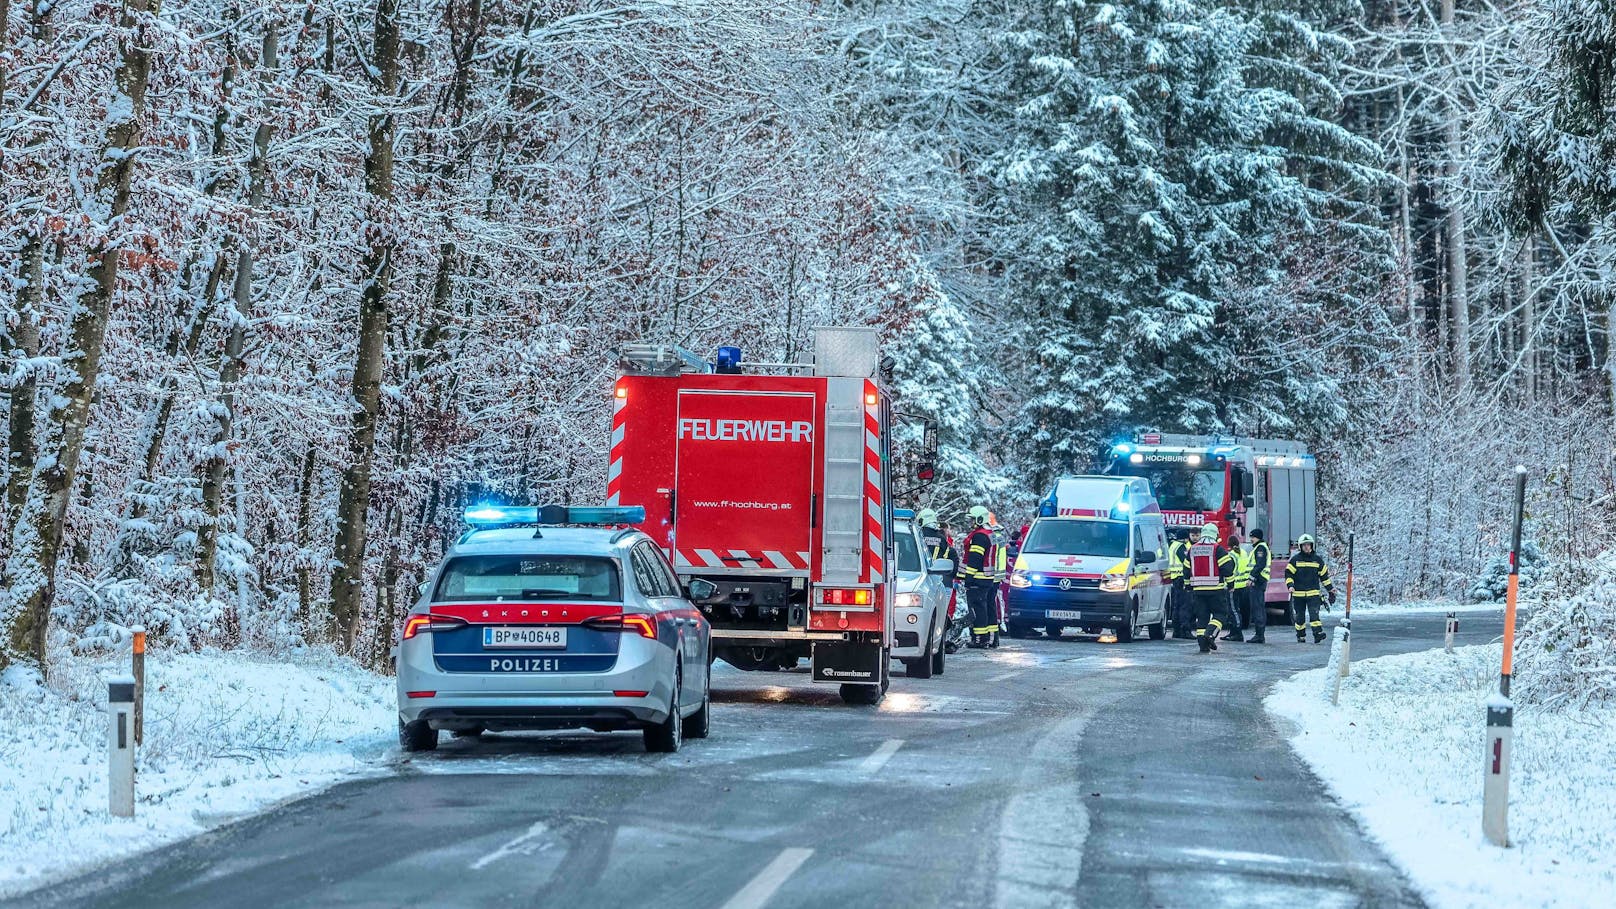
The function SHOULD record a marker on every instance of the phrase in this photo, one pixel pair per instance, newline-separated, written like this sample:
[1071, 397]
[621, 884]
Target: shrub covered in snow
[1566, 655]
[1493, 582]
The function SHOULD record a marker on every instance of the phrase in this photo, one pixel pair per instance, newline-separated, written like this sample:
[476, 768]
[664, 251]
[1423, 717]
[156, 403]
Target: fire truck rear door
[744, 481]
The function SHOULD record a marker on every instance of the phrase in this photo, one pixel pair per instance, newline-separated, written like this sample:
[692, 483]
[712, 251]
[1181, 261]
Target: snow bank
[1403, 752]
[226, 734]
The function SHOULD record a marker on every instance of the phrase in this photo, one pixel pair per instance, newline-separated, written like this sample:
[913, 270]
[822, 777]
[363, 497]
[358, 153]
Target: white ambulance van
[1095, 559]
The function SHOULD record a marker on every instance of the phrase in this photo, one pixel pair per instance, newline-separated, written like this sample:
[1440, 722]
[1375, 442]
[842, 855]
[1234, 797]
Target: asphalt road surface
[1045, 773]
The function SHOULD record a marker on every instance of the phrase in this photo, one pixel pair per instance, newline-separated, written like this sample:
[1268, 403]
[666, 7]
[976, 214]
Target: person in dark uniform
[1308, 579]
[980, 582]
[1178, 566]
[1257, 607]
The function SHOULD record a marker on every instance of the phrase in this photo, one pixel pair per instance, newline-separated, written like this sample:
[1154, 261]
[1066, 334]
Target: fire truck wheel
[1125, 633]
[864, 695]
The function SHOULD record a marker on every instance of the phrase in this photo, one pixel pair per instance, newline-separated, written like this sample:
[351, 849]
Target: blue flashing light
[1038, 579]
[484, 517]
[905, 514]
[729, 360]
[1123, 507]
[499, 515]
[1122, 448]
[1046, 508]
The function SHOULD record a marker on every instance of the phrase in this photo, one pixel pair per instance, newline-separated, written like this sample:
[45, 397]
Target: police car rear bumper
[1031, 606]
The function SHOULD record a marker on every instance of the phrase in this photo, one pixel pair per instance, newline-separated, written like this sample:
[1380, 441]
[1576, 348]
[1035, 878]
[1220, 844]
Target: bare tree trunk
[1528, 326]
[24, 340]
[353, 501]
[230, 368]
[1457, 255]
[305, 514]
[30, 573]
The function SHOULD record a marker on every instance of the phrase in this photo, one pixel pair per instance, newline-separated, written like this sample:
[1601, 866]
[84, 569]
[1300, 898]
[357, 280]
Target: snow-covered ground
[226, 734]
[1403, 752]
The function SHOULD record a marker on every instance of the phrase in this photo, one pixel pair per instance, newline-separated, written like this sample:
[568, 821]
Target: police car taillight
[416, 624]
[633, 624]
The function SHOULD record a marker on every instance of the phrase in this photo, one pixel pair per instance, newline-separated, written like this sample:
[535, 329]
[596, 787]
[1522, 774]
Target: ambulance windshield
[1064, 536]
[1177, 488]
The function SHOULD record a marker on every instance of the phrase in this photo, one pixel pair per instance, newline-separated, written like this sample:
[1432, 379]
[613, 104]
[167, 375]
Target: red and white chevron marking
[740, 558]
[874, 547]
[614, 468]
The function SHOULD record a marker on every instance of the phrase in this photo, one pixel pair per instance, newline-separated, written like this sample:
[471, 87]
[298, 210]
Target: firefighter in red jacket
[1211, 567]
[980, 581]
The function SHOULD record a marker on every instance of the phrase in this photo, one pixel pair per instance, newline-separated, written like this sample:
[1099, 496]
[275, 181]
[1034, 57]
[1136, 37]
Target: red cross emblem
[1069, 561]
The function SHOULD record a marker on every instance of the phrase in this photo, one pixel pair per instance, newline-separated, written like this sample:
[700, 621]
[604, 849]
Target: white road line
[1005, 675]
[758, 890]
[511, 848]
[883, 754]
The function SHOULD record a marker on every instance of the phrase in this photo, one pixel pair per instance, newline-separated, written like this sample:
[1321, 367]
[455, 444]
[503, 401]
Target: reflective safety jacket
[978, 566]
[1222, 564]
[1178, 560]
[1260, 557]
[1242, 569]
[1307, 575]
[938, 547]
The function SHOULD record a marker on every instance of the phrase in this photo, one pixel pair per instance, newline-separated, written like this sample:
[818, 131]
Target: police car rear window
[512, 578]
[1067, 537]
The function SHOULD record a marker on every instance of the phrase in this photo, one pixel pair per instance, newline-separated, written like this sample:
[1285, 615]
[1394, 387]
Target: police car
[553, 618]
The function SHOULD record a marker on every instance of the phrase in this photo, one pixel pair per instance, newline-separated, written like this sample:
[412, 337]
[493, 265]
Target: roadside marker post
[120, 746]
[137, 661]
[1500, 709]
[1453, 627]
[1346, 621]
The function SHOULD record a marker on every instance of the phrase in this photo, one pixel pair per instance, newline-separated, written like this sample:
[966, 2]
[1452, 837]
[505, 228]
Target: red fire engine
[1236, 483]
[766, 484]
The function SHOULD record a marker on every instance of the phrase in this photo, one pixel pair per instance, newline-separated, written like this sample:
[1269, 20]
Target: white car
[920, 608]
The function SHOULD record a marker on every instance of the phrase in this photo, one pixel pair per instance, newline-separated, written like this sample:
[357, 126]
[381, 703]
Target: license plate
[524, 638]
[1064, 614]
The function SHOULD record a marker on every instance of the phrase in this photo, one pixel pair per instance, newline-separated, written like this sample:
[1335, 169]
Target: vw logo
[1066, 584]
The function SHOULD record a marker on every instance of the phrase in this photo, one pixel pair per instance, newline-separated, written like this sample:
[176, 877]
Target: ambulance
[1095, 559]
[766, 485]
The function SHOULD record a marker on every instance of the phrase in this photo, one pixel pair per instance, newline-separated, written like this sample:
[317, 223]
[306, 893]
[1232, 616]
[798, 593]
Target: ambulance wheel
[1017, 630]
[1125, 633]
[1054, 631]
[1158, 630]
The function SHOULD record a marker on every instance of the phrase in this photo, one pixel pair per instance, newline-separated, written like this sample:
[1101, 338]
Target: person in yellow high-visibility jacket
[1178, 568]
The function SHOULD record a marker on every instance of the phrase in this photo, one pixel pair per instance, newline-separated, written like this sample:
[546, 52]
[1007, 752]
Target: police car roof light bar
[485, 517]
[904, 514]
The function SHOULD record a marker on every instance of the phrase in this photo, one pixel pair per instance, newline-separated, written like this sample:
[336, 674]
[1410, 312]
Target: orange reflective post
[138, 669]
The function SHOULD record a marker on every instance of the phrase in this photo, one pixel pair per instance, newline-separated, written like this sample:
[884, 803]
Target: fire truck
[767, 486]
[1237, 483]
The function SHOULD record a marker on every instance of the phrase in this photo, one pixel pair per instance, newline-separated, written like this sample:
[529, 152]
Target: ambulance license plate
[1063, 614]
[500, 637]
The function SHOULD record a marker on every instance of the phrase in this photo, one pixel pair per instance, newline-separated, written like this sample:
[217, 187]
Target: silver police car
[553, 618]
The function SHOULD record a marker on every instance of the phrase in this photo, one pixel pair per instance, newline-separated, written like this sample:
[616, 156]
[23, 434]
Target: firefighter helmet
[979, 515]
[1305, 539]
[1209, 533]
[928, 517]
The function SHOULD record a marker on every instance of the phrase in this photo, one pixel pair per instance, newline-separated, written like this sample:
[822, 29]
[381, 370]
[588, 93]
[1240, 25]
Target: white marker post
[1346, 621]
[1500, 709]
[1453, 628]
[121, 746]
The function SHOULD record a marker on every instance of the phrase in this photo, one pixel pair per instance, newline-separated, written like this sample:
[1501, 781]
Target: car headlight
[1114, 582]
[907, 601]
[1020, 579]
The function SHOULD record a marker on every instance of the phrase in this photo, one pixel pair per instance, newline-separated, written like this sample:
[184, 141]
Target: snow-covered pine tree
[1153, 173]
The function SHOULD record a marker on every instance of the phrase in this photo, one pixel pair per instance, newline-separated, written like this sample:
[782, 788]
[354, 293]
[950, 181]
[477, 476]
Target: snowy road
[1048, 773]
